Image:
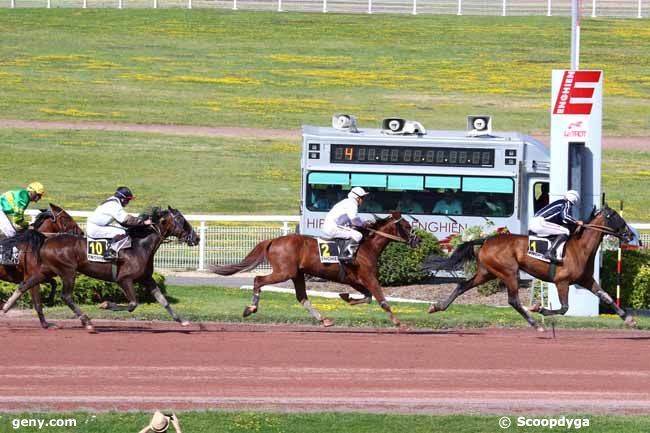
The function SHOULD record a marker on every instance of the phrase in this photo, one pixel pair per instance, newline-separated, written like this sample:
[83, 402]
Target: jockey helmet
[357, 191]
[36, 187]
[124, 194]
[572, 196]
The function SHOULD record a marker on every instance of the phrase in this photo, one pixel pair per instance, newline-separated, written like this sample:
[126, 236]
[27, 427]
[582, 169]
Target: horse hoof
[630, 322]
[433, 308]
[345, 297]
[326, 322]
[185, 323]
[48, 325]
[250, 310]
[104, 305]
[535, 308]
[540, 328]
[403, 328]
[91, 329]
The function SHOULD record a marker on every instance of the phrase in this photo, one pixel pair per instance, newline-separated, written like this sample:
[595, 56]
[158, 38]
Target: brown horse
[502, 256]
[293, 256]
[65, 255]
[50, 221]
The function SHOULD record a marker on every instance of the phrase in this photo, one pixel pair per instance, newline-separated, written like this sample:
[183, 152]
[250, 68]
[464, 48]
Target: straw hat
[159, 422]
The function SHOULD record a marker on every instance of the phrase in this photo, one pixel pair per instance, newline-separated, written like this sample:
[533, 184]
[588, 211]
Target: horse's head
[613, 221]
[397, 225]
[172, 223]
[56, 220]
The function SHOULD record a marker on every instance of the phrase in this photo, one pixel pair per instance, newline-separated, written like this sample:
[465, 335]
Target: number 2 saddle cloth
[329, 249]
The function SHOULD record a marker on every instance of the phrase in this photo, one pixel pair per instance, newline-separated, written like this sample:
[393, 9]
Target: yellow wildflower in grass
[70, 112]
[222, 80]
[60, 57]
[143, 77]
[270, 106]
[145, 59]
[309, 60]
[116, 114]
[289, 148]
[101, 64]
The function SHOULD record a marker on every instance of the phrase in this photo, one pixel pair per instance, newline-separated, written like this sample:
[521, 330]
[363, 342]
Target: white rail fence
[228, 238]
[593, 8]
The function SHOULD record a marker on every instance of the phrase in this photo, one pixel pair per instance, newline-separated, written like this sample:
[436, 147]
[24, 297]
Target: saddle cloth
[329, 249]
[538, 246]
[96, 247]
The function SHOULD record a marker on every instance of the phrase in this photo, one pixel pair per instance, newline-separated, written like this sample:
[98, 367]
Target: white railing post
[234, 5]
[13, 4]
[593, 8]
[548, 8]
[415, 7]
[639, 13]
[119, 4]
[49, 4]
[460, 7]
[369, 6]
[202, 246]
[155, 4]
[279, 5]
[324, 6]
[285, 228]
[189, 4]
[84, 4]
[503, 8]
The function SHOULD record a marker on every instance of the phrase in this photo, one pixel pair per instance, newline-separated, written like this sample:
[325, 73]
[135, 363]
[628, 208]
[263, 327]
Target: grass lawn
[244, 68]
[213, 175]
[205, 303]
[260, 422]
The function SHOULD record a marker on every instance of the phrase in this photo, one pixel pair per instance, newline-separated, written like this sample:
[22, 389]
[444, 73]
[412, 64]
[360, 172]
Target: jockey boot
[551, 254]
[110, 253]
[348, 254]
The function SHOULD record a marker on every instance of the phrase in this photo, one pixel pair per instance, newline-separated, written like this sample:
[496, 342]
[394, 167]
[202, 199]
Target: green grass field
[219, 67]
[213, 175]
[205, 303]
[260, 422]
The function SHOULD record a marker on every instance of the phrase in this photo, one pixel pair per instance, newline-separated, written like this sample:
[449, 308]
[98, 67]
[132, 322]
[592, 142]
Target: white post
[13, 4]
[189, 4]
[575, 34]
[370, 6]
[548, 8]
[639, 13]
[460, 7]
[285, 228]
[49, 4]
[155, 4]
[234, 5]
[593, 8]
[503, 8]
[119, 4]
[202, 246]
[279, 5]
[324, 6]
[85, 4]
[415, 8]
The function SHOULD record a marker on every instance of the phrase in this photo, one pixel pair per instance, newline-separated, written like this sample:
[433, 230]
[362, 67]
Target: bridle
[403, 236]
[605, 229]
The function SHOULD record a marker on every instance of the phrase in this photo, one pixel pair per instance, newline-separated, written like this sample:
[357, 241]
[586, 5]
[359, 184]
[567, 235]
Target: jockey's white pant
[97, 232]
[541, 227]
[6, 226]
[335, 231]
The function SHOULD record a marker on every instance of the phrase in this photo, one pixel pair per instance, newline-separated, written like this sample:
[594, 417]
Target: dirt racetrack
[145, 365]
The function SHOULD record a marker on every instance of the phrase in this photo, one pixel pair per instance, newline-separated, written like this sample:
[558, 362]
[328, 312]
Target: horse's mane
[41, 217]
[155, 214]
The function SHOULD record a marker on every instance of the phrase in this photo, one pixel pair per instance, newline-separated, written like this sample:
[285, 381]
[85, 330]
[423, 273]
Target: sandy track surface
[629, 143]
[146, 365]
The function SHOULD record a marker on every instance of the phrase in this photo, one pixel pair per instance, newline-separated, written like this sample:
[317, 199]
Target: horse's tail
[463, 253]
[253, 259]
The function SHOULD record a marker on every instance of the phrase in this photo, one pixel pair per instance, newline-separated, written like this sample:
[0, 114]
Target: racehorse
[49, 222]
[502, 256]
[293, 256]
[65, 255]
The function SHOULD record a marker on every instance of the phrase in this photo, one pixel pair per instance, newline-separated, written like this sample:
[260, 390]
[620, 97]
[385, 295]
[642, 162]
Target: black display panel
[406, 155]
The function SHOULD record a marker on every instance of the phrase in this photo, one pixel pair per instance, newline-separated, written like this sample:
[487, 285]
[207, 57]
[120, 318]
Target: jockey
[341, 220]
[555, 219]
[13, 205]
[101, 221]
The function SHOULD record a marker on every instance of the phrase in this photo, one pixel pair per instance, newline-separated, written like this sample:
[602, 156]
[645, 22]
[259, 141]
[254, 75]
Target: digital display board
[407, 155]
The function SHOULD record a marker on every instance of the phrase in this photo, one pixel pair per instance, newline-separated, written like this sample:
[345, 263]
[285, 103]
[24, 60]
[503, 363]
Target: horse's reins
[387, 235]
[599, 228]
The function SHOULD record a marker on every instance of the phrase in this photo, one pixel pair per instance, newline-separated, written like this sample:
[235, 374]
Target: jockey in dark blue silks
[555, 219]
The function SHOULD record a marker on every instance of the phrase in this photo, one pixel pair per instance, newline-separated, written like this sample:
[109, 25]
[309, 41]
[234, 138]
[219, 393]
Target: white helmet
[572, 196]
[357, 191]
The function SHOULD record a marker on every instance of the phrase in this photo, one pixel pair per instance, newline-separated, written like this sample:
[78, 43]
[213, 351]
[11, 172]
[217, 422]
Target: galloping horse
[293, 256]
[49, 222]
[502, 256]
[65, 255]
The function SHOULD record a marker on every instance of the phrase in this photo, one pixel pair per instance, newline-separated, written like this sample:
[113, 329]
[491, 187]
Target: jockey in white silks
[341, 220]
[102, 222]
[555, 219]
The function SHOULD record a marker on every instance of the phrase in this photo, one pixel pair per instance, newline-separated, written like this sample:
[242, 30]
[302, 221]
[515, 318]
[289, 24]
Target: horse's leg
[66, 295]
[20, 290]
[482, 276]
[563, 295]
[595, 288]
[258, 282]
[373, 286]
[513, 299]
[151, 285]
[367, 296]
[301, 296]
[50, 298]
[127, 288]
[38, 306]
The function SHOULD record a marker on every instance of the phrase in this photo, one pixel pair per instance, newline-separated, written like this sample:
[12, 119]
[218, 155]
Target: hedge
[400, 265]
